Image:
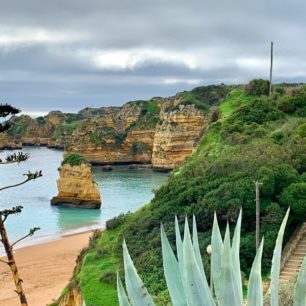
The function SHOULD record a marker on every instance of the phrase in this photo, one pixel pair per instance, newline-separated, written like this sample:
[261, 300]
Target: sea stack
[76, 187]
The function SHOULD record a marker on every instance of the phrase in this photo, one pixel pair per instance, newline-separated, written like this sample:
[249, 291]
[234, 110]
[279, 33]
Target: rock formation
[76, 187]
[161, 131]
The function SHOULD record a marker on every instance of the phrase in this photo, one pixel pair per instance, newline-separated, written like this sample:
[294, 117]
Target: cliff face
[76, 188]
[176, 136]
[160, 131]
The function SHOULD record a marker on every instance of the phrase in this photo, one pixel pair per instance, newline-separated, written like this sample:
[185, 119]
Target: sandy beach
[45, 268]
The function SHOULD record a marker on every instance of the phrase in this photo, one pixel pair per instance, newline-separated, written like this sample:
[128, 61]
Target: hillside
[257, 138]
[160, 131]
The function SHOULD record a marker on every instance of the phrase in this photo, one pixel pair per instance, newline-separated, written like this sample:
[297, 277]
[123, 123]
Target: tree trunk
[12, 264]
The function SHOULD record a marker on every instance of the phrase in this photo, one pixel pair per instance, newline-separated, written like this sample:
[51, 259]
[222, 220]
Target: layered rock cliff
[176, 136]
[160, 131]
[76, 187]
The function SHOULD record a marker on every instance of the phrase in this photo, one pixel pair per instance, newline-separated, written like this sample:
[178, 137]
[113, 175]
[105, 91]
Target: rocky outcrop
[177, 135]
[161, 131]
[76, 187]
[72, 298]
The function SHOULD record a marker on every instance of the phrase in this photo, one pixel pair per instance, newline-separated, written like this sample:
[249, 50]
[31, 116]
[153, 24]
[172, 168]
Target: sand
[45, 268]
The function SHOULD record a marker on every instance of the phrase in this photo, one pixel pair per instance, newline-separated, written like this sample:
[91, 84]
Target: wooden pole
[12, 264]
[271, 69]
[257, 200]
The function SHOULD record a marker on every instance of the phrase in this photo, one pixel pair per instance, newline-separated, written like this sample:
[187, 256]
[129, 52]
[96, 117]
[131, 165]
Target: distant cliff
[160, 131]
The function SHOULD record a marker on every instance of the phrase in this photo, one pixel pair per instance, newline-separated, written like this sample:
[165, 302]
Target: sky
[70, 54]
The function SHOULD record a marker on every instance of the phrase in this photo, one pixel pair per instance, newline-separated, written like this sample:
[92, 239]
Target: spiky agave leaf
[228, 293]
[123, 299]
[235, 256]
[179, 245]
[255, 291]
[216, 254]
[300, 289]
[172, 273]
[198, 257]
[138, 294]
[196, 292]
[275, 269]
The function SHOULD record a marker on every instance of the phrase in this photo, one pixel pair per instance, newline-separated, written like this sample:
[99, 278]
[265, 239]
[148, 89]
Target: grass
[235, 99]
[98, 260]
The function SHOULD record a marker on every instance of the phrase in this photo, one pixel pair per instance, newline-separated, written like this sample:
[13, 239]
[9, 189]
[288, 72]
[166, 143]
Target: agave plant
[186, 279]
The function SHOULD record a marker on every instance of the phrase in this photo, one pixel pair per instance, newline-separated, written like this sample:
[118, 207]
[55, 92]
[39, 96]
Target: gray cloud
[68, 54]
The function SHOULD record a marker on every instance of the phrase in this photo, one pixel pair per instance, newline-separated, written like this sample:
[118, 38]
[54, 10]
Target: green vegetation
[97, 136]
[65, 129]
[139, 147]
[257, 87]
[18, 126]
[186, 277]
[256, 139]
[205, 96]
[74, 159]
[149, 116]
[119, 139]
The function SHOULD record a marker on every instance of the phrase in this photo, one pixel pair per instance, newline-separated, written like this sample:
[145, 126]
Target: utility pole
[271, 68]
[257, 184]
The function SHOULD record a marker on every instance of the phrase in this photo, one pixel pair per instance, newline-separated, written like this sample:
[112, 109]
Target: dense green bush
[257, 87]
[294, 102]
[294, 196]
[205, 96]
[74, 159]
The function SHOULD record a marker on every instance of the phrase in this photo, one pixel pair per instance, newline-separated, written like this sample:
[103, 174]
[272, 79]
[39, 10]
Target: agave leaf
[216, 254]
[255, 291]
[228, 292]
[196, 292]
[137, 292]
[172, 273]
[275, 269]
[235, 256]
[197, 253]
[123, 299]
[300, 289]
[179, 245]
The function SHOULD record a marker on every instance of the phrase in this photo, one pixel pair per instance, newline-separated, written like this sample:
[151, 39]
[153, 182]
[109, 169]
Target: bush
[257, 87]
[139, 147]
[295, 197]
[116, 221]
[75, 159]
[294, 102]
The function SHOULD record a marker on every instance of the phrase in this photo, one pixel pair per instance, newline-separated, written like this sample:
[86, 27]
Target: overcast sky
[69, 54]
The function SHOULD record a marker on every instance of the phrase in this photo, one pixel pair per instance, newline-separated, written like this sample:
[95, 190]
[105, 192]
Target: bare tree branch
[31, 233]
[31, 176]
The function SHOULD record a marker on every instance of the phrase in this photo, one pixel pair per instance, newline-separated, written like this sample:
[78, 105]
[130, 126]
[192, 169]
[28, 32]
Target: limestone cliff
[176, 136]
[76, 187]
[160, 131]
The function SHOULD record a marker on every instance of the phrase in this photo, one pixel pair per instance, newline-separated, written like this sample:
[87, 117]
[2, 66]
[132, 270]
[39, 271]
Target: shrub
[257, 87]
[139, 147]
[116, 221]
[119, 139]
[75, 159]
[295, 197]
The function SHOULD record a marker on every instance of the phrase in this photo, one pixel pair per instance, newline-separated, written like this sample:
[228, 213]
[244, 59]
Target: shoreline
[46, 269]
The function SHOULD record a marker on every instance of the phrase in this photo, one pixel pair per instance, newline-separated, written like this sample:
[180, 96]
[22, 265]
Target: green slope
[257, 138]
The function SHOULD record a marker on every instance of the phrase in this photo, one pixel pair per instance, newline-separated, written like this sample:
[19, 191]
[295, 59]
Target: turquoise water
[122, 190]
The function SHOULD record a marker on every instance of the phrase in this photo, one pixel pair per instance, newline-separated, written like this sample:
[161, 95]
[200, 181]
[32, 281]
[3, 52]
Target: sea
[122, 190]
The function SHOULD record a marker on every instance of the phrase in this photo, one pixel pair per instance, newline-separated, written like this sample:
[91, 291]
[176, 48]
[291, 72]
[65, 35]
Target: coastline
[45, 268]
